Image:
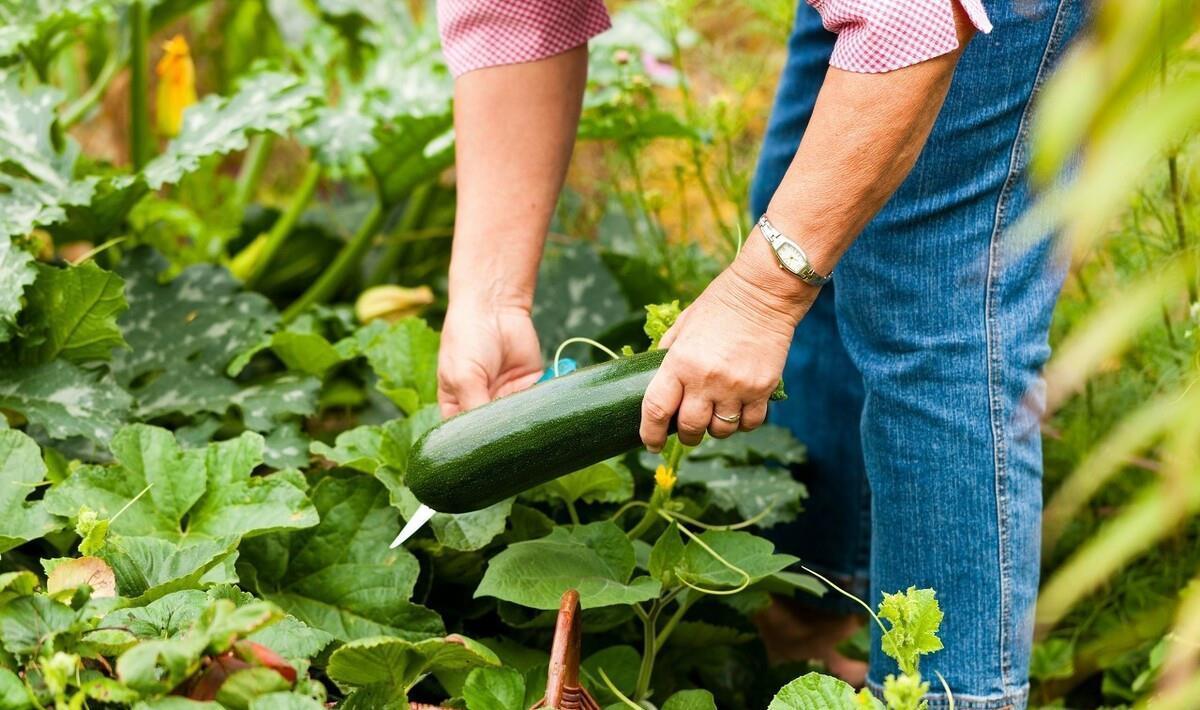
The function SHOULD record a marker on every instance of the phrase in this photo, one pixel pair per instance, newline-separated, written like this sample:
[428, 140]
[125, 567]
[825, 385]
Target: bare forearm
[515, 127]
[863, 139]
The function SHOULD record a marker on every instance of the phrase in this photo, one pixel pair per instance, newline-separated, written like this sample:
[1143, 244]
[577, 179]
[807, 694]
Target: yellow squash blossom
[176, 85]
[664, 478]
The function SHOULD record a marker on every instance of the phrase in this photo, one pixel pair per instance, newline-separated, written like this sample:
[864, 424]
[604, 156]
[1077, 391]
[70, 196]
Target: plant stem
[139, 88]
[672, 622]
[573, 513]
[75, 112]
[649, 651]
[1180, 225]
[643, 525]
[253, 166]
[331, 279]
[414, 214]
[283, 226]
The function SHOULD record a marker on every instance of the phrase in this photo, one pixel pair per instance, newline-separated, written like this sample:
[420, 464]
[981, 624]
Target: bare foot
[792, 632]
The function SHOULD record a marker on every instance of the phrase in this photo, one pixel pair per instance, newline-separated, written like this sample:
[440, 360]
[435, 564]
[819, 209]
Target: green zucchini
[500, 449]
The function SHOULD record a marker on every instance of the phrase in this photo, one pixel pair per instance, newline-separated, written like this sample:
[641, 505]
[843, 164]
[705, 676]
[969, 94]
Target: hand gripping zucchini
[500, 449]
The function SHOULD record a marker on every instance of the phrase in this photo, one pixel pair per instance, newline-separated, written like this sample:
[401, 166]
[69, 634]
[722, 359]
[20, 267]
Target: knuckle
[654, 411]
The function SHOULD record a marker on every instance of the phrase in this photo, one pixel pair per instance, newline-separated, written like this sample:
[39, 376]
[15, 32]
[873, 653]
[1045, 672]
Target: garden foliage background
[210, 382]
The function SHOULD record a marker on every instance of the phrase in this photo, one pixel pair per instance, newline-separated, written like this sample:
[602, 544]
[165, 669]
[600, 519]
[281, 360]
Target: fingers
[658, 406]
[720, 428]
[694, 416]
[460, 391]
[753, 415]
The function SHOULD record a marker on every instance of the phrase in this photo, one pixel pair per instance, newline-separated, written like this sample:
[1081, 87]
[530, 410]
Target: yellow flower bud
[391, 303]
[664, 478]
[176, 85]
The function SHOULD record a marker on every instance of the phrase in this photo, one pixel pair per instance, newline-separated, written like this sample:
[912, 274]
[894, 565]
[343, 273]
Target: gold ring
[734, 419]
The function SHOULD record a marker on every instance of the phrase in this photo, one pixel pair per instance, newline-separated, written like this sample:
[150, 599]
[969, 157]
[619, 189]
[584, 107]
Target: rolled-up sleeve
[484, 33]
[881, 35]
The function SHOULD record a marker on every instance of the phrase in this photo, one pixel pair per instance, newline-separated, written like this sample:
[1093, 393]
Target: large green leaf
[494, 689]
[766, 443]
[37, 181]
[404, 355]
[206, 493]
[606, 482]
[391, 666]
[769, 495]
[814, 691]
[187, 334]
[576, 295]
[266, 102]
[21, 471]
[16, 272]
[73, 314]
[148, 568]
[65, 399]
[26, 623]
[340, 576]
[691, 700]
[36, 27]
[748, 553]
[596, 559]
[12, 690]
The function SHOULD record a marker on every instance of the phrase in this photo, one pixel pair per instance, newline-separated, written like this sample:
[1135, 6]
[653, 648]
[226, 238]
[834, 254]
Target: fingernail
[653, 449]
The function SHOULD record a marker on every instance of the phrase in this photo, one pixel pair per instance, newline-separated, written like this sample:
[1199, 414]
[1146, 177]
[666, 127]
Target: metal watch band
[780, 241]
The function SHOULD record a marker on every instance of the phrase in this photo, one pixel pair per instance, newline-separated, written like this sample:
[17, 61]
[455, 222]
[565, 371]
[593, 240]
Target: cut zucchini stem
[599, 346]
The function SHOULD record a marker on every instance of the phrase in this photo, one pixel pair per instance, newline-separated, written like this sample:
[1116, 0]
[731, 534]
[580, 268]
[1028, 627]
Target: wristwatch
[790, 256]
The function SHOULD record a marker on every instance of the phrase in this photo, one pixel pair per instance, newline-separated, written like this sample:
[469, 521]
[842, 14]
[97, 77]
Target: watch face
[791, 257]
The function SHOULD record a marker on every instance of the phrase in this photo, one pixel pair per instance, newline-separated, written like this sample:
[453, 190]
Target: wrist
[489, 294]
[767, 284]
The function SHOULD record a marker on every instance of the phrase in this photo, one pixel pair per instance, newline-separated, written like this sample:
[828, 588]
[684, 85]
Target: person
[895, 158]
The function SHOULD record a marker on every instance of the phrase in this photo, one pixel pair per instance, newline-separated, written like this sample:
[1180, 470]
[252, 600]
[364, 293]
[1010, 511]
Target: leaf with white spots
[16, 272]
[183, 334]
[34, 28]
[37, 181]
[576, 296]
[65, 399]
[21, 470]
[767, 443]
[264, 405]
[752, 491]
[266, 102]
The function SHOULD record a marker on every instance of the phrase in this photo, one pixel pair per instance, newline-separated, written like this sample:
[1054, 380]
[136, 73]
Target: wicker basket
[563, 690]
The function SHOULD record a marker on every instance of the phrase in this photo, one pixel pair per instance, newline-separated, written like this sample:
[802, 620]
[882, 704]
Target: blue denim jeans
[915, 376]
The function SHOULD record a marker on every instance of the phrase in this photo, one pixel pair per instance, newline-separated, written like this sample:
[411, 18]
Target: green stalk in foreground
[251, 173]
[347, 259]
[139, 87]
[251, 263]
[418, 205]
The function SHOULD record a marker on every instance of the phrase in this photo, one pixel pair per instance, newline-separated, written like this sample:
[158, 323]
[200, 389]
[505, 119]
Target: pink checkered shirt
[873, 35]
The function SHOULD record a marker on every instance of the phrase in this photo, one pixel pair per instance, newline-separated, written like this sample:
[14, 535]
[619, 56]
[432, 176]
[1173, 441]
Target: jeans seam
[994, 349]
